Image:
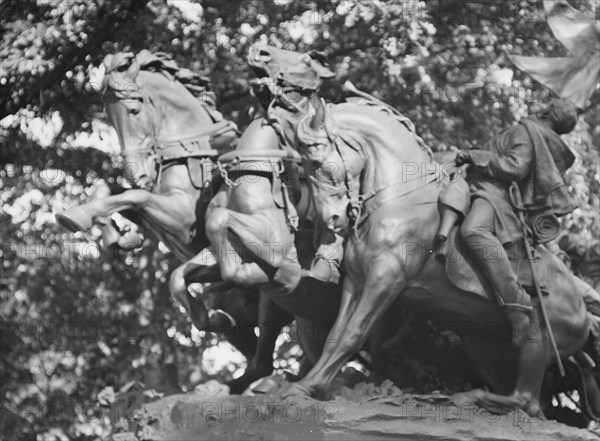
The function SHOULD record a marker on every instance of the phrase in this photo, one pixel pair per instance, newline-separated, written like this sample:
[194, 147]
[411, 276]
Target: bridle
[165, 151]
[363, 204]
[350, 187]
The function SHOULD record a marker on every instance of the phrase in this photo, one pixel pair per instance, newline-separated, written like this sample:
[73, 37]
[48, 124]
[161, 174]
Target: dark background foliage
[74, 321]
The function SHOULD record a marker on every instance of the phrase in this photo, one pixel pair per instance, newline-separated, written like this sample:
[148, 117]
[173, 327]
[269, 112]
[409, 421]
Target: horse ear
[320, 56]
[124, 62]
[134, 69]
[318, 61]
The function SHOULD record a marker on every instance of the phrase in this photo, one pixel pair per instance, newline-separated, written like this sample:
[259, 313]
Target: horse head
[149, 107]
[358, 154]
[333, 173]
[287, 76]
[290, 88]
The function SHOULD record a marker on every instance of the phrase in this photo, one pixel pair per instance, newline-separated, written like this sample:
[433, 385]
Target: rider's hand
[463, 157]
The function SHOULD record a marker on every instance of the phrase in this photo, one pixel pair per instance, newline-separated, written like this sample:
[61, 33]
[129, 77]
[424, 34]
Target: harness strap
[215, 129]
[258, 155]
[376, 204]
[190, 144]
[195, 144]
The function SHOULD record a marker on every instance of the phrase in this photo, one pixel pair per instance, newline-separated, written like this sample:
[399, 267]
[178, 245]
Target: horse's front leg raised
[360, 310]
[82, 217]
[251, 249]
[169, 211]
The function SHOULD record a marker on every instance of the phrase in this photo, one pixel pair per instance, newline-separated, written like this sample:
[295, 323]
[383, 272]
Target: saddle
[453, 204]
[462, 273]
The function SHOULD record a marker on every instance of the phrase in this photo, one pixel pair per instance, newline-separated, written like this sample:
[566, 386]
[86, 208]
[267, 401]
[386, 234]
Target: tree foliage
[74, 321]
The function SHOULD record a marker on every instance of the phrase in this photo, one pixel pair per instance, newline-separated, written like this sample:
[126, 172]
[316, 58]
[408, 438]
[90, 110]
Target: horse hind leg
[272, 319]
[532, 359]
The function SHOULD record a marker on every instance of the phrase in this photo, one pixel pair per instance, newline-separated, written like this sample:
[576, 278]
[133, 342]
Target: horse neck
[391, 154]
[179, 112]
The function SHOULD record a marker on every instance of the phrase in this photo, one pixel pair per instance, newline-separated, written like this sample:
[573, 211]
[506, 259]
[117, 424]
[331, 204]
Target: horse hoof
[294, 390]
[470, 398]
[237, 387]
[268, 385]
[75, 219]
[211, 388]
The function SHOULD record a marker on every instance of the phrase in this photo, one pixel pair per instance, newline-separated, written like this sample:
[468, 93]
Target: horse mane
[198, 85]
[398, 116]
[160, 62]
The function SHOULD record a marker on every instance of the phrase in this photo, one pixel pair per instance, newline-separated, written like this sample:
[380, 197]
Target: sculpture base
[390, 415]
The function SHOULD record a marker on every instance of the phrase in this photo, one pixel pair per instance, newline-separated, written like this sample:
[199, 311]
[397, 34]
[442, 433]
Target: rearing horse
[376, 184]
[170, 134]
[260, 224]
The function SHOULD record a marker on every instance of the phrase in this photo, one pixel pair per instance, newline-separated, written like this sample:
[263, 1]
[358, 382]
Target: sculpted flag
[576, 77]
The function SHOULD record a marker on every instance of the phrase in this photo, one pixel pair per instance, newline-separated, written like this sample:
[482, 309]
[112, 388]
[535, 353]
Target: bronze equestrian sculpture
[261, 226]
[375, 183]
[170, 134]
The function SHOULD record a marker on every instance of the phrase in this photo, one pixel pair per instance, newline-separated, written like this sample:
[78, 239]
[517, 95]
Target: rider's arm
[514, 165]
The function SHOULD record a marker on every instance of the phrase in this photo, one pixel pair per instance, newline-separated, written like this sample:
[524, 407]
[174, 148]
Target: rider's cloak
[533, 155]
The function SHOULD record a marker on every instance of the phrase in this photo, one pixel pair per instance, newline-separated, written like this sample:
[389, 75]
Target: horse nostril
[332, 221]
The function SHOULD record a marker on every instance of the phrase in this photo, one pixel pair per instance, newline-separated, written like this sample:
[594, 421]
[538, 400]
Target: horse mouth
[340, 230]
[258, 71]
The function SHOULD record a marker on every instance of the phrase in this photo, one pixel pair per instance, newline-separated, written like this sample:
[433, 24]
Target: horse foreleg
[312, 335]
[234, 268]
[82, 217]
[354, 323]
[262, 251]
[200, 267]
[167, 210]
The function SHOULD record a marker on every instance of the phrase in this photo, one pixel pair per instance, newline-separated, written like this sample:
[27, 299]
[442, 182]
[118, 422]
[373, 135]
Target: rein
[184, 146]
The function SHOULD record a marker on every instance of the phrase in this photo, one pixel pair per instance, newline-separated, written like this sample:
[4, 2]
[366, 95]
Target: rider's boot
[519, 315]
[511, 295]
